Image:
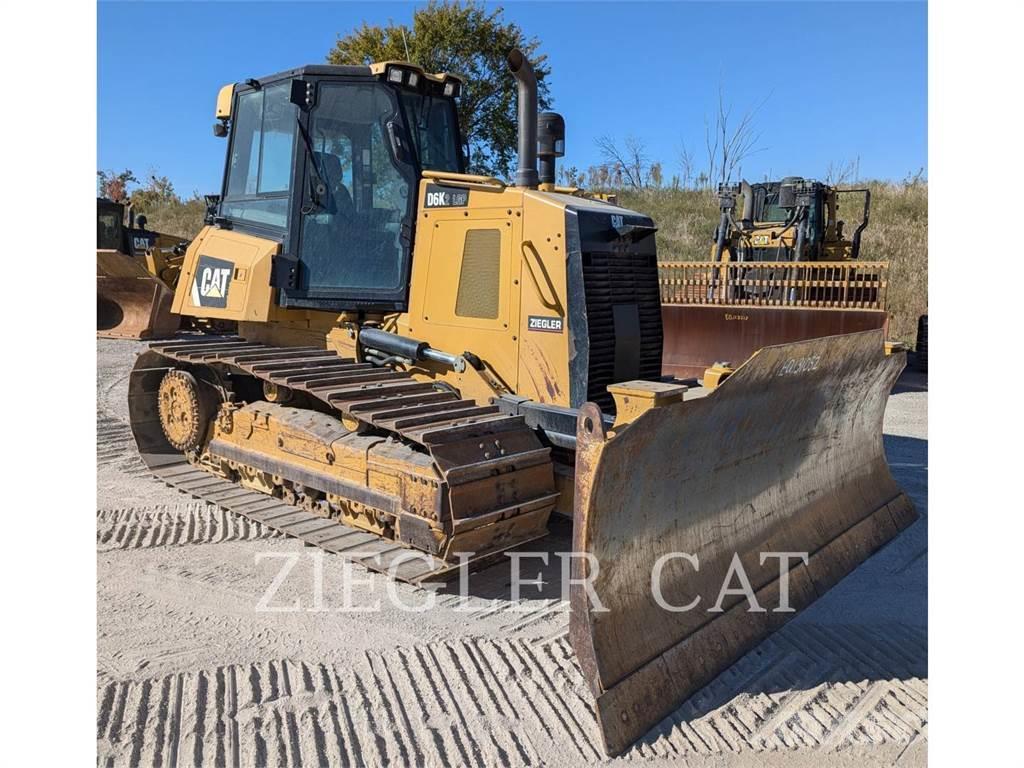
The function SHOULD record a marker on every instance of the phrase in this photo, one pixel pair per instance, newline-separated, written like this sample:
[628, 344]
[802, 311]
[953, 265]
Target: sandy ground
[191, 673]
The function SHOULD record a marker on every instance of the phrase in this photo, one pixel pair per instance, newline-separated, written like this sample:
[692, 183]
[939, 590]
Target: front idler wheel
[186, 408]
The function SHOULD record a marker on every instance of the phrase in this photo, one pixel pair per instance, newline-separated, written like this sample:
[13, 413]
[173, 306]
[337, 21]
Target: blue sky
[843, 80]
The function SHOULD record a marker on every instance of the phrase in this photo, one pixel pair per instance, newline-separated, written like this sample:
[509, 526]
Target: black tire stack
[921, 348]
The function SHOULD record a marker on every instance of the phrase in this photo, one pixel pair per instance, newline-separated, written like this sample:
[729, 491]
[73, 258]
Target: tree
[686, 165]
[158, 192]
[114, 186]
[729, 143]
[570, 176]
[629, 163]
[467, 40]
[843, 173]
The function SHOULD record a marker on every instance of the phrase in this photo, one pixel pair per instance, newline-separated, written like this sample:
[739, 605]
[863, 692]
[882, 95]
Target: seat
[339, 199]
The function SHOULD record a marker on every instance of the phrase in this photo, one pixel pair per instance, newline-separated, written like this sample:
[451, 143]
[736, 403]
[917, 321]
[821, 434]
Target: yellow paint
[715, 375]
[249, 299]
[634, 398]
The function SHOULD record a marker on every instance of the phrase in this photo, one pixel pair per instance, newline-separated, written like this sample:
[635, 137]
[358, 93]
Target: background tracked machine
[430, 363]
[136, 270]
[782, 268]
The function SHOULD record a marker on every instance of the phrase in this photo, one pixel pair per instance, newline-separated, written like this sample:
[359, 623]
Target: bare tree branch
[630, 162]
[843, 173]
[728, 143]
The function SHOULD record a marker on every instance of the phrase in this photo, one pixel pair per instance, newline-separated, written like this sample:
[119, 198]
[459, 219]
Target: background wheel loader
[136, 271]
[786, 269]
[430, 363]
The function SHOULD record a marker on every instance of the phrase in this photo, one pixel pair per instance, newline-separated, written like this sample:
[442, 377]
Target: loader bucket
[785, 456]
[130, 302]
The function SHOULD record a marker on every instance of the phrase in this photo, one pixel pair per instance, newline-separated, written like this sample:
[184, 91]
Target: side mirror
[141, 221]
[212, 203]
[465, 153]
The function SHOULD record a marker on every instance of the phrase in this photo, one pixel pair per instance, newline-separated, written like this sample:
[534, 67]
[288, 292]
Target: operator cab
[110, 234]
[326, 160]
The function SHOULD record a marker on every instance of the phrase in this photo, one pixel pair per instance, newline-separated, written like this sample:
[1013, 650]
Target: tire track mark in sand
[164, 525]
[511, 702]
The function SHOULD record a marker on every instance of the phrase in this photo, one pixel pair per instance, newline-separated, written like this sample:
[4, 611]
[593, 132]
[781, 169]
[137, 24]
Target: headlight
[394, 75]
[414, 78]
[449, 88]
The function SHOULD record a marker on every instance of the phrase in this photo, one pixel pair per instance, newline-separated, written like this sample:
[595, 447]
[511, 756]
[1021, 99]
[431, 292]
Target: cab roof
[353, 70]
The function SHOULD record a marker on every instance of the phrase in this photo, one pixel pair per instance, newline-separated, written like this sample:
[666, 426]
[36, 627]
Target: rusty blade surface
[785, 456]
[134, 308]
[698, 336]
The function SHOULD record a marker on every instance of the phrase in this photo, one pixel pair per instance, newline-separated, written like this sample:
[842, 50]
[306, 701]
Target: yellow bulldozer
[136, 271]
[785, 268]
[795, 219]
[430, 363]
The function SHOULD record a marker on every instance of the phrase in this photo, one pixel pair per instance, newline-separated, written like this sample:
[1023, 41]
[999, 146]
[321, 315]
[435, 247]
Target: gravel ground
[191, 673]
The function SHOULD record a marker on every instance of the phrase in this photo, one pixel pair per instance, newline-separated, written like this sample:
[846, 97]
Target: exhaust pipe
[526, 174]
[747, 217]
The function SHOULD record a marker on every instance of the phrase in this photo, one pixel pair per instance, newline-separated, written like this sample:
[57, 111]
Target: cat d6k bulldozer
[430, 363]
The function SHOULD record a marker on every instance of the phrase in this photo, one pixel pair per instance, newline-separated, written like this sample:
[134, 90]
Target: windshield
[108, 228]
[766, 204]
[433, 124]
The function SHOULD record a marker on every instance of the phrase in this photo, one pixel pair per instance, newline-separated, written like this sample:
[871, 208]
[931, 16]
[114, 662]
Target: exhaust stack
[747, 217]
[526, 174]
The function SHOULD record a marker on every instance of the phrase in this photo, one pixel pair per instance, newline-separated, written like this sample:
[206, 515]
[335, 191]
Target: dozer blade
[696, 336]
[785, 456]
[130, 302]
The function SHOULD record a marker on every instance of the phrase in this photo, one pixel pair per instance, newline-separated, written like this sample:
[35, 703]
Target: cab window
[350, 243]
[108, 229]
[260, 163]
[434, 127]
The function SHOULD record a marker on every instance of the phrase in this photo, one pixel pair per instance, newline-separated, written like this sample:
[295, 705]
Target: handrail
[554, 304]
[465, 179]
[858, 264]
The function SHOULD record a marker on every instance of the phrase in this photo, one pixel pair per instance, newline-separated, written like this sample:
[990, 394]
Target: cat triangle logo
[213, 290]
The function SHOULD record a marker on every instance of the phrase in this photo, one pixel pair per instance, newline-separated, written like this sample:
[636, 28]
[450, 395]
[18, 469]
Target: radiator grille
[480, 275]
[620, 279]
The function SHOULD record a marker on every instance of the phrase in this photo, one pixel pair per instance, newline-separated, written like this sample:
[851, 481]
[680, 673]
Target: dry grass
[182, 218]
[686, 221]
[897, 233]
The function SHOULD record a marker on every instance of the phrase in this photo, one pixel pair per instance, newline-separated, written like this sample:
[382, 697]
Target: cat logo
[210, 287]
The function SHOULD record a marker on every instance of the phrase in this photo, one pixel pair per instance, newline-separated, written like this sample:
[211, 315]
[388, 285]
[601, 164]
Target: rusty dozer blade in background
[130, 302]
[785, 456]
